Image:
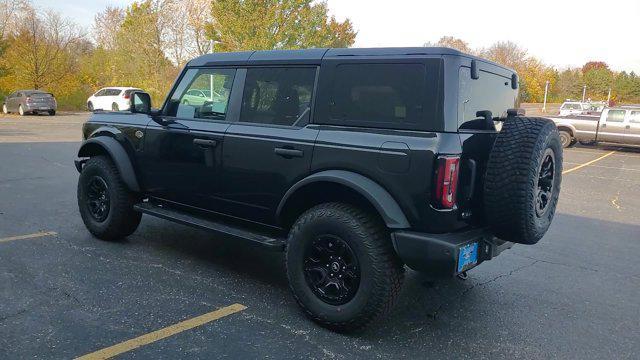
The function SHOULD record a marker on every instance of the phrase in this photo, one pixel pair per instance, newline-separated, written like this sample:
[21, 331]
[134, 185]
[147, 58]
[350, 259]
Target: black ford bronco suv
[354, 162]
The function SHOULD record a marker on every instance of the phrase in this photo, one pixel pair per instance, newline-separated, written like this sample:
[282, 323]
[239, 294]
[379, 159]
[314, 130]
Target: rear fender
[382, 201]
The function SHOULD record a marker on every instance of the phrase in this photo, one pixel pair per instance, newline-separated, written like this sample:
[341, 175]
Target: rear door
[182, 161]
[612, 126]
[633, 127]
[269, 149]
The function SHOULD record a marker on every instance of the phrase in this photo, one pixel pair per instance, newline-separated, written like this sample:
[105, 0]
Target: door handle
[205, 143]
[288, 153]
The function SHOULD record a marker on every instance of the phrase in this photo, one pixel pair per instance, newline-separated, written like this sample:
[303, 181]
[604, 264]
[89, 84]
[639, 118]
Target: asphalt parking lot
[64, 294]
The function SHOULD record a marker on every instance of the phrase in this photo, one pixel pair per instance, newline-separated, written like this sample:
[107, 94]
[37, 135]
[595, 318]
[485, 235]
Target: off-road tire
[121, 220]
[381, 272]
[566, 139]
[511, 181]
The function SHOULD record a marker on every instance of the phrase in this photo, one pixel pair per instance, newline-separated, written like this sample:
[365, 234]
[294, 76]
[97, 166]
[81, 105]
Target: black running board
[270, 243]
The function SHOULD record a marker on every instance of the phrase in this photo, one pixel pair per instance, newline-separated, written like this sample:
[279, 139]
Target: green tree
[276, 24]
[569, 85]
[598, 79]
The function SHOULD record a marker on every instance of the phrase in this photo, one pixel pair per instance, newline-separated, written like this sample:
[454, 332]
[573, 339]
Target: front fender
[118, 154]
[380, 198]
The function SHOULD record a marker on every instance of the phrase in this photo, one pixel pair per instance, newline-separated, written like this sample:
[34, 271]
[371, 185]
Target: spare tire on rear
[522, 181]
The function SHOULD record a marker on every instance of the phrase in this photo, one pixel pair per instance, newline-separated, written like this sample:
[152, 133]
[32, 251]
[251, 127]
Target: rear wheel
[115, 107]
[90, 106]
[4, 109]
[341, 266]
[52, 112]
[105, 203]
[523, 177]
[566, 139]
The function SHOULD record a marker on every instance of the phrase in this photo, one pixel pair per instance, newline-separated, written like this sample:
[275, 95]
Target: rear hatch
[484, 100]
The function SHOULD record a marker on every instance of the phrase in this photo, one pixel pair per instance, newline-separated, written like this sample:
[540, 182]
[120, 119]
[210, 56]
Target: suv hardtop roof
[315, 56]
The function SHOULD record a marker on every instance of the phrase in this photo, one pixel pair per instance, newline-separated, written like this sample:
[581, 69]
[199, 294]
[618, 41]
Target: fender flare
[117, 153]
[380, 198]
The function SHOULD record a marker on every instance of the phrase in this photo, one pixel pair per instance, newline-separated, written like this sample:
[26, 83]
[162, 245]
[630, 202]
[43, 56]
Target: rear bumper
[39, 107]
[438, 254]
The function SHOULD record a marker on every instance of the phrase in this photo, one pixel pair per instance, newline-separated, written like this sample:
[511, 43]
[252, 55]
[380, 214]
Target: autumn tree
[276, 24]
[106, 25]
[594, 65]
[454, 43]
[39, 52]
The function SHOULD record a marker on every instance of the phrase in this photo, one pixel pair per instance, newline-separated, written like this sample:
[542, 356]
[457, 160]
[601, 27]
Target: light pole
[546, 91]
[584, 92]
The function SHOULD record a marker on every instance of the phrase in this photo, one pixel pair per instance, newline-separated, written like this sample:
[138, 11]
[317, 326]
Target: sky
[562, 33]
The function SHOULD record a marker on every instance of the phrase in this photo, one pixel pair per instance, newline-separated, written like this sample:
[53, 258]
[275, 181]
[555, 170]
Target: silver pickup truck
[620, 125]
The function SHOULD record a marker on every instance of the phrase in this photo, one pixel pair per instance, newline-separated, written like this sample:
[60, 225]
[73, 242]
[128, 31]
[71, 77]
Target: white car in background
[573, 108]
[111, 98]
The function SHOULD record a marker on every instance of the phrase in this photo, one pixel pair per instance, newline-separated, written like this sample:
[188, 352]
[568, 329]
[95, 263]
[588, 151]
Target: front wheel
[105, 203]
[20, 110]
[341, 266]
[4, 109]
[52, 112]
[90, 106]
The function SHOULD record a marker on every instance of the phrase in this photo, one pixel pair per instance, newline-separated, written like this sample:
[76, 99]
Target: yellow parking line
[154, 336]
[588, 162]
[28, 236]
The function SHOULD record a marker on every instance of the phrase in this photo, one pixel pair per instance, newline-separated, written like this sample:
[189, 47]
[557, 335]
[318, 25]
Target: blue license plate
[467, 256]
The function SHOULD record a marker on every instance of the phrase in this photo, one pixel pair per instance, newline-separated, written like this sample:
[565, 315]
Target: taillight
[446, 181]
[126, 96]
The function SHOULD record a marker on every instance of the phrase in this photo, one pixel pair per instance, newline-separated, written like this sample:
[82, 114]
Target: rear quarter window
[490, 92]
[400, 96]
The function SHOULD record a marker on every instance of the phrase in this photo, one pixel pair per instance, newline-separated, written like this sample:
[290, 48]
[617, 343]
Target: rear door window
[615, 115]
[278, 96]
[634, 117]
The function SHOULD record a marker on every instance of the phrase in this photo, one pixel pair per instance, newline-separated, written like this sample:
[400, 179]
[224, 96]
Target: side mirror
[140, 102]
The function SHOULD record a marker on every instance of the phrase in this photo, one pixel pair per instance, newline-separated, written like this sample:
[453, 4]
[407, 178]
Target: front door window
[202, 94]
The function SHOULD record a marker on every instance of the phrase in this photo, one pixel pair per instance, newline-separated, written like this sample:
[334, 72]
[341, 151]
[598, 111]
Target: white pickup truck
[620, 125]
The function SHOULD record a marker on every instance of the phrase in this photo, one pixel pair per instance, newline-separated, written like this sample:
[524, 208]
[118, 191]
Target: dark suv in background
[30, 102]
[355, 162]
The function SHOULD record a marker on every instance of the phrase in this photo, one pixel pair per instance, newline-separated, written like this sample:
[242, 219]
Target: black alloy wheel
[545, 183]
[331, 269]
[98, 202]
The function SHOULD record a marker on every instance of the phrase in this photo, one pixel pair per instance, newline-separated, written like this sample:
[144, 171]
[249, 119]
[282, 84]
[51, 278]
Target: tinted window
[113, 92]
[615, 115]
[279, 96]
[490, 92]
[384, 95]
[101, 92]
[215, 82]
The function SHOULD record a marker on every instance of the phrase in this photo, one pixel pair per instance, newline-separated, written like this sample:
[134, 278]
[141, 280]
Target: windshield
[572, 106]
